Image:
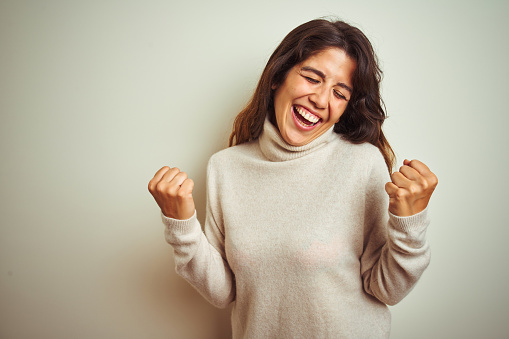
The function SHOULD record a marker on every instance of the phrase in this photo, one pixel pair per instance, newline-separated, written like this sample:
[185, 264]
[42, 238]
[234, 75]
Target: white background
[95, 96]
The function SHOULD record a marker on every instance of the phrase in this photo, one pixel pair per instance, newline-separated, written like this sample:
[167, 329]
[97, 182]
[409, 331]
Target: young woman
[306, 231]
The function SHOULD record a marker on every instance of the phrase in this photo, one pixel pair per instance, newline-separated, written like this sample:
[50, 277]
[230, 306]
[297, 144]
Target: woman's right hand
[173, 192]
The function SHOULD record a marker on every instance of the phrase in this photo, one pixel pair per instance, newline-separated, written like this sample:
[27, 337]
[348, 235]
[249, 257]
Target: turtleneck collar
[274, 148]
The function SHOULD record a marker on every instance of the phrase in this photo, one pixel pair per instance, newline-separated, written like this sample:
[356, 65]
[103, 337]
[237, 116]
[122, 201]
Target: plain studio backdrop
[96, 96]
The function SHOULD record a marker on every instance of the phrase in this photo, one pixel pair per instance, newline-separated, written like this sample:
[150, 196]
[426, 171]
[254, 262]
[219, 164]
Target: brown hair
[364, 115]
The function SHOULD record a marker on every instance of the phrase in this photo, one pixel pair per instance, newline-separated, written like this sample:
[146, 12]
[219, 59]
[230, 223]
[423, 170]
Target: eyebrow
[322, 75]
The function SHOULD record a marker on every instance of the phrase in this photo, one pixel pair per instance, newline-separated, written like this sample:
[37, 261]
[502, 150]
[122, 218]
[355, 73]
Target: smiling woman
[313, 96]
[305, 232]
[363, 116]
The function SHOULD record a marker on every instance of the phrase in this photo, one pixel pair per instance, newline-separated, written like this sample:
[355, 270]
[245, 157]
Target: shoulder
[234, 152]
[362, 152]
[363, 159]
[234, 155]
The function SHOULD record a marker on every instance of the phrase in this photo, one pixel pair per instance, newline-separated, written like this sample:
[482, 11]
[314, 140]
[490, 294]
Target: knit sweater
[301, 240]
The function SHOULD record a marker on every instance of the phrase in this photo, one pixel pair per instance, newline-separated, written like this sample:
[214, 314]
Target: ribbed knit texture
[301, 240]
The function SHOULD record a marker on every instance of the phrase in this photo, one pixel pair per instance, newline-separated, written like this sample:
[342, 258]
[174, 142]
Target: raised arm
[196, 260]
[396, 252]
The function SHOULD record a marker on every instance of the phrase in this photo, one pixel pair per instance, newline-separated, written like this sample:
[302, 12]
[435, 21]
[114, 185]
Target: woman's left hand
[411, 188]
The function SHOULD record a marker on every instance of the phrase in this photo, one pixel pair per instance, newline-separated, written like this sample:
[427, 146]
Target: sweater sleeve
[396, 252]
[200, 258]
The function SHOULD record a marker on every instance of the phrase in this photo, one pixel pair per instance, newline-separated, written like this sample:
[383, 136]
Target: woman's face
[313, 96]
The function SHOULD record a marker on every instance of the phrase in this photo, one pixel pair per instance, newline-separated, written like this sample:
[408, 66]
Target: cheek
[282, 101]
[338, 112]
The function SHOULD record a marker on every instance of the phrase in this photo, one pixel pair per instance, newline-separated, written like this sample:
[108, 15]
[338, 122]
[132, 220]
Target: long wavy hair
[364, 115]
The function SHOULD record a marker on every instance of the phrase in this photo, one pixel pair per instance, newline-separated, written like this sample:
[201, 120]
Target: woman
[297, 232]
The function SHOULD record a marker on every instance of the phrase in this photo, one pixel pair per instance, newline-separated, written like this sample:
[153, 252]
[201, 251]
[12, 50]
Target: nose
[320, 97]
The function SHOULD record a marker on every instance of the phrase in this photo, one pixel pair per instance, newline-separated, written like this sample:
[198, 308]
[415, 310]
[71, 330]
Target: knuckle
[414, 189]
[434, 181]
[160, 187]
[172, 191]
[401, 194]
[423, 184]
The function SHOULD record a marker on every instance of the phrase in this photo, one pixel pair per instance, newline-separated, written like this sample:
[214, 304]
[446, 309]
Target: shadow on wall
[158, 301]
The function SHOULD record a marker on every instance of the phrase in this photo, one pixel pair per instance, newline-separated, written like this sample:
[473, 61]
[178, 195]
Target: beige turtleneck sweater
[300, 240]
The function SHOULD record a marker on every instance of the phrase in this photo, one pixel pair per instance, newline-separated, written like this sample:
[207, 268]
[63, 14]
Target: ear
[274, 86]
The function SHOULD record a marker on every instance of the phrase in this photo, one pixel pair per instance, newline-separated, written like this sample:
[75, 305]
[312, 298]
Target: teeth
[309, 117]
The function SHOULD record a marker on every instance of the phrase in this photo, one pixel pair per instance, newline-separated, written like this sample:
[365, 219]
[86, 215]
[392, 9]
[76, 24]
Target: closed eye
[311, 80]
[339, 95]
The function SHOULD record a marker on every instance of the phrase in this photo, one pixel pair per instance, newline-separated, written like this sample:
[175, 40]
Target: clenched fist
[411, 188]
[173, 192]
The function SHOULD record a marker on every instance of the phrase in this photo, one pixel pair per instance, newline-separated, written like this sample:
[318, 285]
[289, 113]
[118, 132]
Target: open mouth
[304, 117]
